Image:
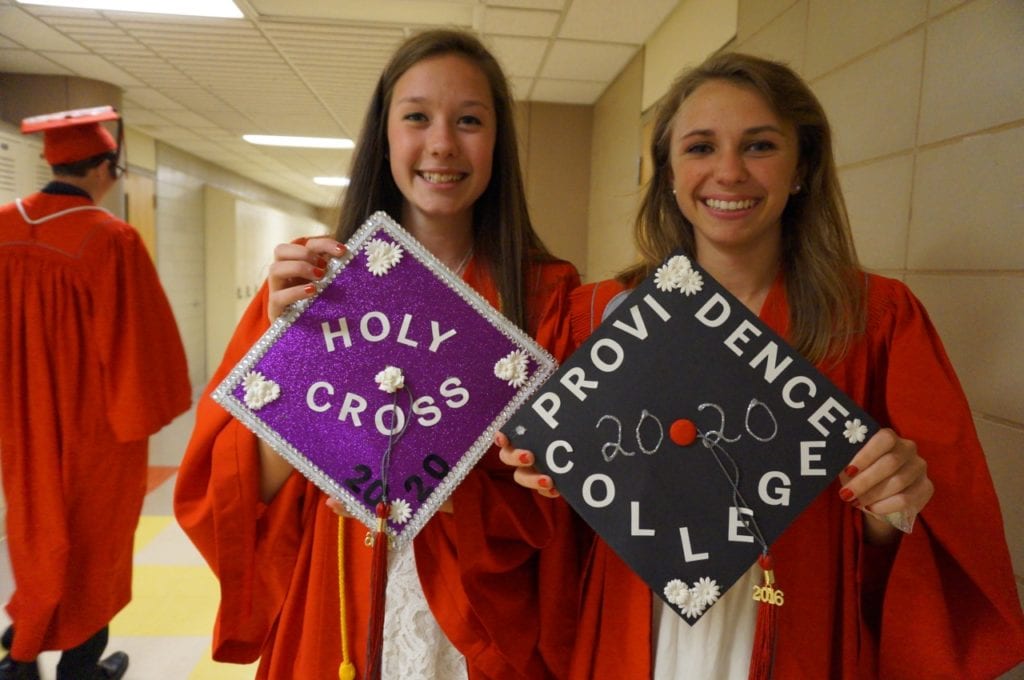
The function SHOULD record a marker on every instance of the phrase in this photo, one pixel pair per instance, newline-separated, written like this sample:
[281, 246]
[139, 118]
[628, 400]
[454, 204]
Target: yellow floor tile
[208, 669]
[169, 601]
[149, 527]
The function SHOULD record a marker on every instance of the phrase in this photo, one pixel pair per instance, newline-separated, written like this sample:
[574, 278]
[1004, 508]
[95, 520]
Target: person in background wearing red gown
[438, 153]
[745, 182]
[91, 365]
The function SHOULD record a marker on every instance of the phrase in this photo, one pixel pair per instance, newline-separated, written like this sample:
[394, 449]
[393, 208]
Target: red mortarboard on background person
[70, 136]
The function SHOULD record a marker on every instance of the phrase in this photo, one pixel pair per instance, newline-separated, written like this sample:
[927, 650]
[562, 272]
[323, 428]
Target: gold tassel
[347, 670]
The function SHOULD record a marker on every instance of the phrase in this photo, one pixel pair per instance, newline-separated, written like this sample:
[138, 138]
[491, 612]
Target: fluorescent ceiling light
[331, 181]
[303, 142]
[193, 8]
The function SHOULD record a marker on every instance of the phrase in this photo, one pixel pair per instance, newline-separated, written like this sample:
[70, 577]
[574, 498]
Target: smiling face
[441, 133]
[734, 165]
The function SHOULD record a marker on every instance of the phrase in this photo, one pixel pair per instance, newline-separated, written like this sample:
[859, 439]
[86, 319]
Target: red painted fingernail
[321, 263]
[318, 272]
[846, 494]
[525, 458]
[500, 440]
[851, 470]
[340, 249]
[543, 482]
[310, 289]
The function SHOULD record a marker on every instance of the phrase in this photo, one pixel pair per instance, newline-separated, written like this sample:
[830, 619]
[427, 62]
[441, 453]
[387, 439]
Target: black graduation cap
[688, 434]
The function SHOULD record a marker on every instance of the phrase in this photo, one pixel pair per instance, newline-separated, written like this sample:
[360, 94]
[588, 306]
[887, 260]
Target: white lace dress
[717, 646]
[415, 648]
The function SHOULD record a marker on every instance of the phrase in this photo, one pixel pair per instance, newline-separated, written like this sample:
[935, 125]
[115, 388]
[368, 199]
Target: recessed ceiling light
[303, 142]
[331, 181]
[193, 8]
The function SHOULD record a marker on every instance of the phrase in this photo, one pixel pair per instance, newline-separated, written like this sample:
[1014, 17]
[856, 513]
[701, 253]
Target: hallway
[166, 629]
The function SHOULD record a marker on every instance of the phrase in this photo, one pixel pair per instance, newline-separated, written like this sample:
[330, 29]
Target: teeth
[729, 205]
[440, 178]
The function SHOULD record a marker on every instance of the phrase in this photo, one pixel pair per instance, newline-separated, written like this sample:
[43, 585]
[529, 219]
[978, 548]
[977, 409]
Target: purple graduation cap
[688, 434]
[389, 383]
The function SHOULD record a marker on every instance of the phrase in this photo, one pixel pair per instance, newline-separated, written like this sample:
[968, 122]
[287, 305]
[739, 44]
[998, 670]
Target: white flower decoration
[400, 511]
[390, 380]
[855, 431]
[691, 282]
[259, 391]
[706, 590]
[671, 275]
[677, 592]
[693, 607]
[512, 368]
[381, 256]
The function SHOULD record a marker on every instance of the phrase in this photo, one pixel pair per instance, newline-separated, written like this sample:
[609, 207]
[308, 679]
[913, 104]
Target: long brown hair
[503, 236]
[823, 277]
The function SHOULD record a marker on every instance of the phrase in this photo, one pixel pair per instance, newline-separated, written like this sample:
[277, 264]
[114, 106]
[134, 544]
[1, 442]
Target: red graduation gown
[479, 567]
[942, 604]
[91, 364]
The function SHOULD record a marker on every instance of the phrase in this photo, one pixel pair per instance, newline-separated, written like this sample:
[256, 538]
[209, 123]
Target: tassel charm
[378, 587]
[769, 599]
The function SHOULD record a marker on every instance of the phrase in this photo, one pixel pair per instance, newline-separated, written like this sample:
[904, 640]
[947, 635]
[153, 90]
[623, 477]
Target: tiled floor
[166, 628]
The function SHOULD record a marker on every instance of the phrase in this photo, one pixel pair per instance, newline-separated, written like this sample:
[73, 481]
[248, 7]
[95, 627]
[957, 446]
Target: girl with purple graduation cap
[437, 153]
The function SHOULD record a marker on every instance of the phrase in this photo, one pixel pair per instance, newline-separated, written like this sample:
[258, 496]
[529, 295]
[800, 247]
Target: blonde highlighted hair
[824, 281]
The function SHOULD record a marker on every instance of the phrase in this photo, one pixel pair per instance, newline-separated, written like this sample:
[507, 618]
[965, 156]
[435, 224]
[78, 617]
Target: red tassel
[378, 588]
[762, 657]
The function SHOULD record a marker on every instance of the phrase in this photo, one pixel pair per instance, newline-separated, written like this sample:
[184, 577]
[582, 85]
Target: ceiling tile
[567, 91]
[93, 66]
[557, 5]
[501, 21]
[24, 29]
[519, 57]
[24, 61]
[153, 99]
[571, 60]
[610, 21]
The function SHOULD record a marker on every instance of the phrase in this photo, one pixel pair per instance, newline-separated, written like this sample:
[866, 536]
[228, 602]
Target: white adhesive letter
[330, 335]
[807, 457]
[600, 363]
[688, 554]
[435, 330]
[787, 390]
[609, 490]
[634, 521]
[364, 326]
[825, 412]
[703, 312]
[781, 494]
[549, 456]
[546, 406]
[311, 396]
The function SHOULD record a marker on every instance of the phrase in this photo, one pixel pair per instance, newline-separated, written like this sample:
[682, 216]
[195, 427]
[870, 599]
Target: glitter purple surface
[415, 302]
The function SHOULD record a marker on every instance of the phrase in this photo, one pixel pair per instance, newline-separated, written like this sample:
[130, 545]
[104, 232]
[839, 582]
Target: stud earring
[796, 188]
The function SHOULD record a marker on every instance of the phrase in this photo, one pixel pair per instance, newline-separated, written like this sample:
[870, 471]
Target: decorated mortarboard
[689, 435]
[387, 385]
[75, 135]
